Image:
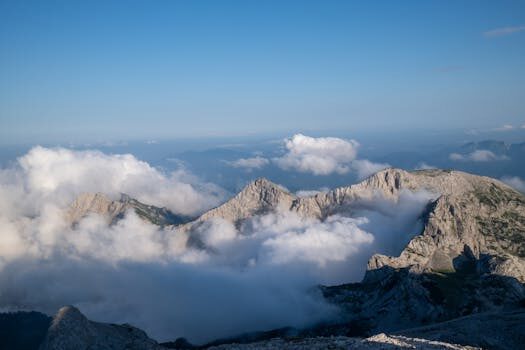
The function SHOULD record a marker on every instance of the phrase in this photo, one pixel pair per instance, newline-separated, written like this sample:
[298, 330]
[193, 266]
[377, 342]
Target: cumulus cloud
[258, 275]
[63, 174]
[477, 156]
[504, 31]
[320, 156]
[514, 182]
[257, 162]
[324, 156]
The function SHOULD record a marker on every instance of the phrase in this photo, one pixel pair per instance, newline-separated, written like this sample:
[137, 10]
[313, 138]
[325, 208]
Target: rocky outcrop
[481, 219]
[377, 342]
[70, 329]
[489, 330]
[468, 258]
[259, 197]
[113, 210]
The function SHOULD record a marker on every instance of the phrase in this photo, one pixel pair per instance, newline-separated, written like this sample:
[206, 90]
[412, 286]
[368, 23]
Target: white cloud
[309, 193]
[477, 156]
[64, 174]
[324, 156]
[365, 168]
[335, 239]
[320, 156]
[504, 31]
[505, 127]
[424, 166]
[257, 162]
[514, 182]
[133, 271]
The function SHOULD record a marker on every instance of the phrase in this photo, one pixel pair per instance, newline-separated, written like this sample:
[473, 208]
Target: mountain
[467, 262]
[469, 257]
[114, 210]
[70, 329]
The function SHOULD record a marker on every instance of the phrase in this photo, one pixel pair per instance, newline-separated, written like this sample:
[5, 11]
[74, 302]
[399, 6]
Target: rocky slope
[377, 342]
[472, 217]
[72, 330]
[490, 330]
[469, 257]
[113, 210]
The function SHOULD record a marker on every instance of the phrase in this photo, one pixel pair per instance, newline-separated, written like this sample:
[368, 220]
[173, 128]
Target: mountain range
[463, 272]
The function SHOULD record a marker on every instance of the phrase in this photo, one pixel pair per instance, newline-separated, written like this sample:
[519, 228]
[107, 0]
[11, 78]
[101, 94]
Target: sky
[84, 70]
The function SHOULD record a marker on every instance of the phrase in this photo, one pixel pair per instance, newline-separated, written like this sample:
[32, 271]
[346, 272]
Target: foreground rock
[377, 342]
[72, 330]
[490, 330]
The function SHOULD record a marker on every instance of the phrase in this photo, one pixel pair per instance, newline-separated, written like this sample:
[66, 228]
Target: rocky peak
[70, 329]
[258, 197]
[113, 210]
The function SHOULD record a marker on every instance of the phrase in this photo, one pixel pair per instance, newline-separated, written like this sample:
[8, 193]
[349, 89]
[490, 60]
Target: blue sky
[168, 69]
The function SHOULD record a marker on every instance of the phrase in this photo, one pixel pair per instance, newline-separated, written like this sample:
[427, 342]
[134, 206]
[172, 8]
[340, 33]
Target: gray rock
[113, 210]
[70, 330]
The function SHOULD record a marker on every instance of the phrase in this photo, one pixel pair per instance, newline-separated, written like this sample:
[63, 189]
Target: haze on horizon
[75, 70]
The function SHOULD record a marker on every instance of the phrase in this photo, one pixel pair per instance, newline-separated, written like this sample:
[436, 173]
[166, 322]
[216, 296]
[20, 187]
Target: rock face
[490, 330]
[473, 217]
[259, 197]
[468, 259]
[114, 210]
[72, 330]
[377, 342]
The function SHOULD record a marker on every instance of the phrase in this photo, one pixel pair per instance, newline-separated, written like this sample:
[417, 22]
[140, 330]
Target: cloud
[258, 275]
[477, 156]
[365, 168]
[324, 156]
[257, 162]
[320, 156]
[309, 193]
[65, 174]
[424, 166]
[505, 127]
[514, 182]
[504, 31]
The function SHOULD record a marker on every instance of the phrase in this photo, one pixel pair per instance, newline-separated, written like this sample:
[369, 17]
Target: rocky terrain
[69, 329]
[113, 210]
[72, 330]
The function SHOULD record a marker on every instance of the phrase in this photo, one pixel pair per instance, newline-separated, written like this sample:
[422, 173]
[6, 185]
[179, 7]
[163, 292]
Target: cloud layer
[257, 276]
[324, 156]
[250, 163]
[477, 156]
